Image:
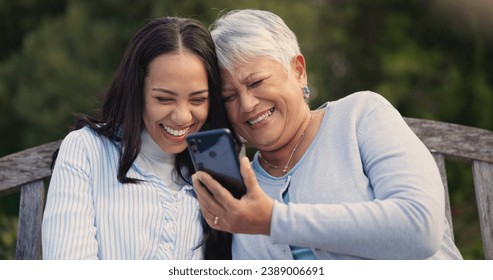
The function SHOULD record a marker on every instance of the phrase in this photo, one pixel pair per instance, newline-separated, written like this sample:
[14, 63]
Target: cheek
[234, 119]
[201, 113]
[151, 113]
[155, 113]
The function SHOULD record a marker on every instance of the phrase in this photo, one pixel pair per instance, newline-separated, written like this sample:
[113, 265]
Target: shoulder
[84, 137]
[366, 99]
[358, 103]
[82, 134]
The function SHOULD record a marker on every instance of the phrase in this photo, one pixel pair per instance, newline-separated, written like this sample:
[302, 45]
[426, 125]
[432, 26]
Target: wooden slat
[26, 166]
[483, 184]
[440, 160]
[30, 217]
[453, 140]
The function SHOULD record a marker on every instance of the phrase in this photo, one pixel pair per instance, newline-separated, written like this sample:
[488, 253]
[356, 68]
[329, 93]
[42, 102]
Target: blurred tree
[429, 58]
[19, 18]
[407, 51]
[428, 64]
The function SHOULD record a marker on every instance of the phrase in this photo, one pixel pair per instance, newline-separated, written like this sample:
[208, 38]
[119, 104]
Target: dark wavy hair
[120, 117]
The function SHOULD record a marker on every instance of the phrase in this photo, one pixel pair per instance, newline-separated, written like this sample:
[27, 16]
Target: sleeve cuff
[279, 228]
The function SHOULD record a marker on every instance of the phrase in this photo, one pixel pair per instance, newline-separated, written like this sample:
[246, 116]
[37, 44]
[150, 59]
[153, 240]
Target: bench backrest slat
[483, 182]
[30, 217]
[440, 160]
[26, 166]
[463, 143]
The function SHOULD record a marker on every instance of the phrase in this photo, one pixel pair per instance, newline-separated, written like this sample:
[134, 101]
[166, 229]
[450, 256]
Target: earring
[306, 92]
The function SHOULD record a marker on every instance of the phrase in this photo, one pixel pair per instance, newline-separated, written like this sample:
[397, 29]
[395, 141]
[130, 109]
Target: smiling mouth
[262, 117]
[176, 132]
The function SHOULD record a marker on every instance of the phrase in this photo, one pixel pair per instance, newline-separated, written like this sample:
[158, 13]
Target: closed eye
[199, 100]
[229, 98]
[256, 84]
[164, 99]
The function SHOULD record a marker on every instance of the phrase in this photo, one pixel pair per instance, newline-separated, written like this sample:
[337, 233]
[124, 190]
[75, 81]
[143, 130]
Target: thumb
[248, 175]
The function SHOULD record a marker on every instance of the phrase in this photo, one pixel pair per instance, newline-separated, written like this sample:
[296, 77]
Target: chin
[174, 149]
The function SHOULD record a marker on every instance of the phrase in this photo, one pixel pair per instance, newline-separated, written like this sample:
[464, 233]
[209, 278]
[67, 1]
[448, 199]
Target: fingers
[200, 189]
[248, 175]
[208, 204]
[251, 214]
[219, 193]
[208, 216]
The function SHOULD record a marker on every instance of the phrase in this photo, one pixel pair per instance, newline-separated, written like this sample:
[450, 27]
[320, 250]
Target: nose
[248, 102]
[181, 114]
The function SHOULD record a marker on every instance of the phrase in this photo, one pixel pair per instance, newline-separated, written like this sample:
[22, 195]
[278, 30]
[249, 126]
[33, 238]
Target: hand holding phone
[213, 151]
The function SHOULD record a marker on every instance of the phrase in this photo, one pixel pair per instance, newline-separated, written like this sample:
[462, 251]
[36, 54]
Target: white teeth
[262, 117]
[175, 132]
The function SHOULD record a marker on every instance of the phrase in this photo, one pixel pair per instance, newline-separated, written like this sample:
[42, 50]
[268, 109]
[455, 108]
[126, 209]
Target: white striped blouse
[90, 215]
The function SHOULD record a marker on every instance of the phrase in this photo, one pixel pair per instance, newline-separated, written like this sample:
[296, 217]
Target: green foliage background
[431, 59]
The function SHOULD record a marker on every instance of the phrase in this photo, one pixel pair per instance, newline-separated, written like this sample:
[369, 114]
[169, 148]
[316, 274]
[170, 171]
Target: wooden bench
[28, 170]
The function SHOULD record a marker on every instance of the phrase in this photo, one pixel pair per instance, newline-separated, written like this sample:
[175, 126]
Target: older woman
[346, 181]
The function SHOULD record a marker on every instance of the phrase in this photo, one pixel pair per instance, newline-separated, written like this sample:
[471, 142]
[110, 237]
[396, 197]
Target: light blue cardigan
[367, 188]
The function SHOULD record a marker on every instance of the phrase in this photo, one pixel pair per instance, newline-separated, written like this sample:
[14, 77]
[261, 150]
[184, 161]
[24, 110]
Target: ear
[299, 68]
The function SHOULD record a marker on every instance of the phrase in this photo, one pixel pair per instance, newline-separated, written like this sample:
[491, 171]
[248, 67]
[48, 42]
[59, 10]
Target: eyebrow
[163, 90]
[250, 75]
[242, 81]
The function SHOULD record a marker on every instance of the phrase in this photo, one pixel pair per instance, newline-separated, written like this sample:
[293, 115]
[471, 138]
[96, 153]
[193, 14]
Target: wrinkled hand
[250, 214]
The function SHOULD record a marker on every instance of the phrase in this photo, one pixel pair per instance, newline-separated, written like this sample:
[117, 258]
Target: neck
[282, 160]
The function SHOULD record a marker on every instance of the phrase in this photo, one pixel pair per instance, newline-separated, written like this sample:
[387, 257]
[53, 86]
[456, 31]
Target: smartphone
[213, 151]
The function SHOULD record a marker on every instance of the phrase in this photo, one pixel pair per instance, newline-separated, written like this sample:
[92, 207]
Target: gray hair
[241, 35]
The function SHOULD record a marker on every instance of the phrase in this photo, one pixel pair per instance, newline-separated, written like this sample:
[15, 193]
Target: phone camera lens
[194, 148]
